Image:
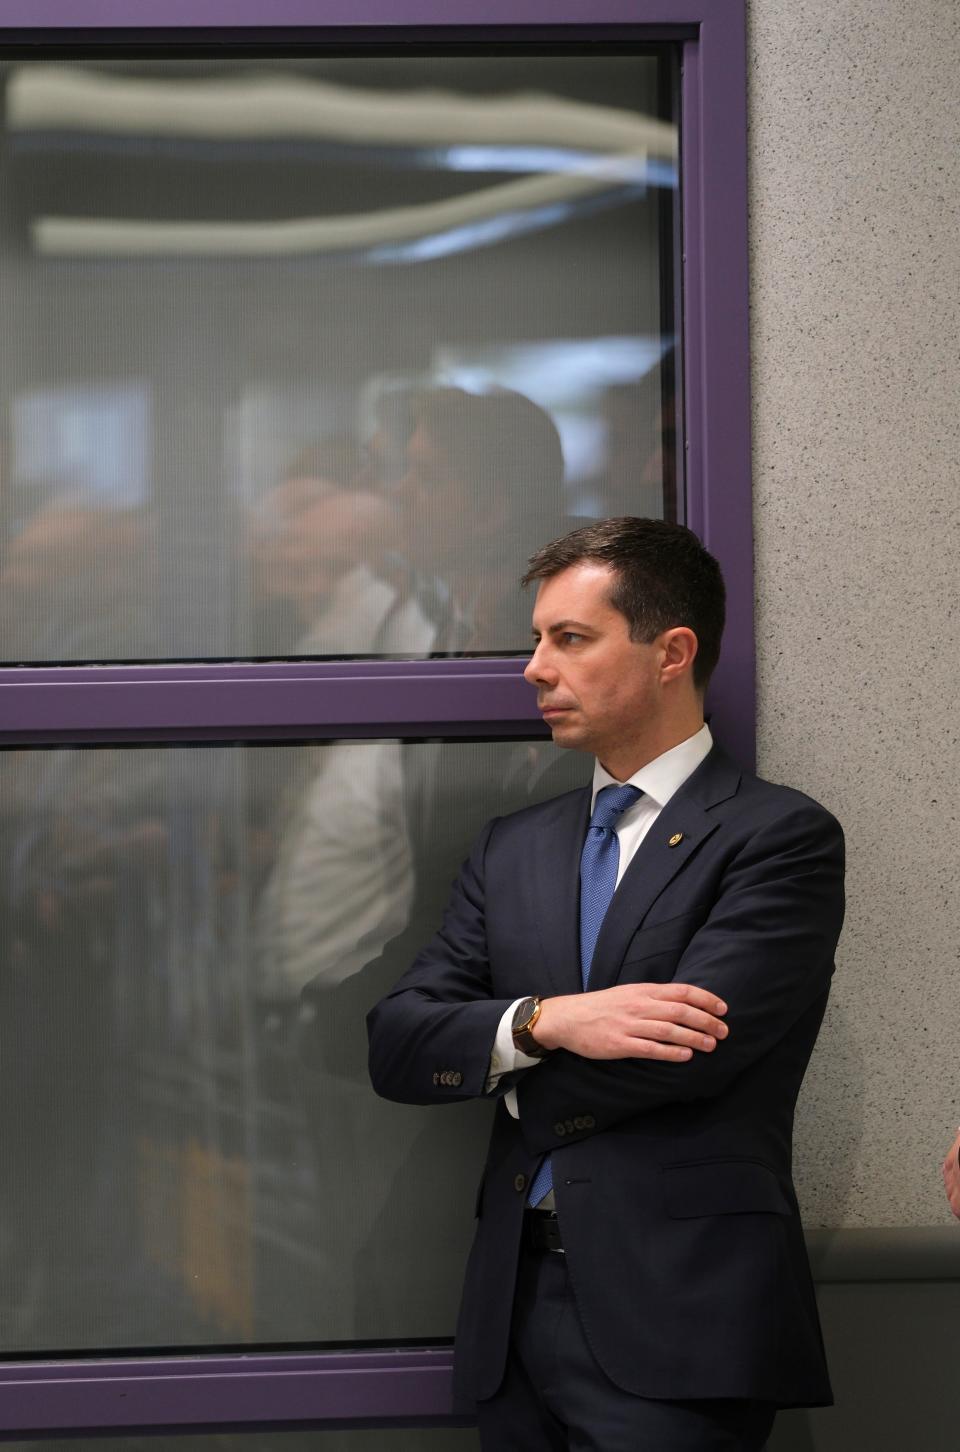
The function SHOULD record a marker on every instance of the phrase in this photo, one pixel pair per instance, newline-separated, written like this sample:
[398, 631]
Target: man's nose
[538, 670]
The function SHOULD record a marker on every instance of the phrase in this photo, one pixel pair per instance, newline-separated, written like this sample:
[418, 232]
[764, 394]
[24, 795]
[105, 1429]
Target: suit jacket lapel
[656, 863]
[557, 873]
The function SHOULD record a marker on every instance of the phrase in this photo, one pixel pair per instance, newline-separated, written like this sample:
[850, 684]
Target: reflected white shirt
[658, 781]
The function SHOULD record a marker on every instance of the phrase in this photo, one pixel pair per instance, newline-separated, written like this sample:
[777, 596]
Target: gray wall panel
[855, 214]
[893, 1358]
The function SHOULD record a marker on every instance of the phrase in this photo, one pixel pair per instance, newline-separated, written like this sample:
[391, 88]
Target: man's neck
[624, 763]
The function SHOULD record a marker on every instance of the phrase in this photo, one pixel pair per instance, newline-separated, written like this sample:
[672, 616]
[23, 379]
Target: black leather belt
[541, 1231]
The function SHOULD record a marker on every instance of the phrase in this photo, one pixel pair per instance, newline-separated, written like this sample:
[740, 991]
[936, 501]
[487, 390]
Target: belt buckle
[545, 1229]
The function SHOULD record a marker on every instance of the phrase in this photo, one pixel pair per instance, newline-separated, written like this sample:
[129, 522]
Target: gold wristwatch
[525, 1016]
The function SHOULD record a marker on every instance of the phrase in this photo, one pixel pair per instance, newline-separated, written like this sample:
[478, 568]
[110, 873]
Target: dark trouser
[556, 1398]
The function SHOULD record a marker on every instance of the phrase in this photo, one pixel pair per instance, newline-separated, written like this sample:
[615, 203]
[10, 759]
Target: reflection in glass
[191, 938]
[305, 357]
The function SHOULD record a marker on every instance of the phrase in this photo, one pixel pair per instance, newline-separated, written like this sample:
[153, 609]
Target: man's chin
[566, 732]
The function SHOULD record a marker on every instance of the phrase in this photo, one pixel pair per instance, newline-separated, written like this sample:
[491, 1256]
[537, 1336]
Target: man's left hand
[951, 1175]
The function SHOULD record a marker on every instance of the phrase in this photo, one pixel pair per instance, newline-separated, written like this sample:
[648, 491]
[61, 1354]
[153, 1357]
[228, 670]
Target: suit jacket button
[589, 1122]
[445, 1077]
[580, 1122]
[519, 1183]
[436, 1077]
[560, 1129]
[569, 1126]
[456, 1078]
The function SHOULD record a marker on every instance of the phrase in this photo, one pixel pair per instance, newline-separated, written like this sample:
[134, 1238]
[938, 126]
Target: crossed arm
[665, 1021]
[442, 1011]
[765, 951]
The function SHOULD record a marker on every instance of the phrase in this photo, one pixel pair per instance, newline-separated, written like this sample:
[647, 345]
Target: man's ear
[679, 645]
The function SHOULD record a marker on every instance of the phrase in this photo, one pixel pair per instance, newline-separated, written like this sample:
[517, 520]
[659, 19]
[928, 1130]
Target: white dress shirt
[658, 781]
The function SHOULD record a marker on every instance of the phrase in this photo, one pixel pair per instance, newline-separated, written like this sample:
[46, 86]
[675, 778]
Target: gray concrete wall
[893, 1359]
[855, 257]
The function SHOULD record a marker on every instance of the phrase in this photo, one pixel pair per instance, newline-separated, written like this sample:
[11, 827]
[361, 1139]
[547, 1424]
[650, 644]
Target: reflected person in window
[641, 994]
[338, 877]
[78, 582]
[315, 544]
[316, 541]
[369, 847]
[483, 473]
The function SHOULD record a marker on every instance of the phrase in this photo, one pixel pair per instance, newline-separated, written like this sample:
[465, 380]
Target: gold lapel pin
[675, 840]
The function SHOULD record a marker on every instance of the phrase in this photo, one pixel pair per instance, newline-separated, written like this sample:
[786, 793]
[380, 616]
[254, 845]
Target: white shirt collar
[666, 774]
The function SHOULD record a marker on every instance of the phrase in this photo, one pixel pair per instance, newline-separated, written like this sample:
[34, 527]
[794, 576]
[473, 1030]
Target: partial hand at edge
[633, 1021]
[951, 1175]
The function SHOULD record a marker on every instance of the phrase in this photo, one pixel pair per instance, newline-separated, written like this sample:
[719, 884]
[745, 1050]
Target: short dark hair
[663, 577]
[501, 445]
[496, 440]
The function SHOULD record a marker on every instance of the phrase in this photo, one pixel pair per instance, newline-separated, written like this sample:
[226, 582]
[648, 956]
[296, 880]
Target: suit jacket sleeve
[431, 1037]
[766, 949]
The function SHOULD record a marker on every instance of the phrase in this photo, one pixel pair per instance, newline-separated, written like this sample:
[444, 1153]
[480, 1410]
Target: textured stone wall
[855, 257]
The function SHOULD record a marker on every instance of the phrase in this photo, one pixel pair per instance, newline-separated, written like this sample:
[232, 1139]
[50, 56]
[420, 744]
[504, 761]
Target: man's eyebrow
[559, 625]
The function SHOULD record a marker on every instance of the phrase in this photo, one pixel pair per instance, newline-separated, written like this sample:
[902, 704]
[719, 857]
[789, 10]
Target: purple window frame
[471, 697]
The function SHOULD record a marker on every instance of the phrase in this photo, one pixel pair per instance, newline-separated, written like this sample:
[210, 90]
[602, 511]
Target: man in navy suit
[637, 972]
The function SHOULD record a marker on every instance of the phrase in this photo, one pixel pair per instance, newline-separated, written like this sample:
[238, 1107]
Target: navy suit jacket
[673, 1180]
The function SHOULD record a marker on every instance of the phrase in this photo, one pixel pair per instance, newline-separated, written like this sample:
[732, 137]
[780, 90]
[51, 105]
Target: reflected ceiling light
[61, 98]
[555, 373]
[492, 213]
[645, 170]
[476, 234]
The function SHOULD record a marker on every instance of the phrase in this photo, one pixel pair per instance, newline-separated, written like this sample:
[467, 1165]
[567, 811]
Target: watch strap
[522, 1036]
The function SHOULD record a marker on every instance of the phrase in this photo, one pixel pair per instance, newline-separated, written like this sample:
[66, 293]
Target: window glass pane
[305, 356]
[174, 1174]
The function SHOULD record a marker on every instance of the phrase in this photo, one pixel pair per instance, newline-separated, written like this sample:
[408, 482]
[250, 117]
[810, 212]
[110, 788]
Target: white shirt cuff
[506, 1058]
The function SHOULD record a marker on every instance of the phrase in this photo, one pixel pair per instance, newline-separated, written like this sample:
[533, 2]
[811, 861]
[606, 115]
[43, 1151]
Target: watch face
[523, 1012]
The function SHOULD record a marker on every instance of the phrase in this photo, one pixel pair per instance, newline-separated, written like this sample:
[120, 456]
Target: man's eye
[571, 636]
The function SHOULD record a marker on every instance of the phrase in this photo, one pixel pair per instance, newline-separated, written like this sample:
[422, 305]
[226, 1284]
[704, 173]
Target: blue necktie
[599, 862]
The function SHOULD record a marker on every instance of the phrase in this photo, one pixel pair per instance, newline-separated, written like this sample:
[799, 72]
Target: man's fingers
[673, 1033]
[670, 1012]
[696, 1018]
[656, 1040]
[652, 1049]
[635, 1020]
[950, 1170]
[686, 993]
